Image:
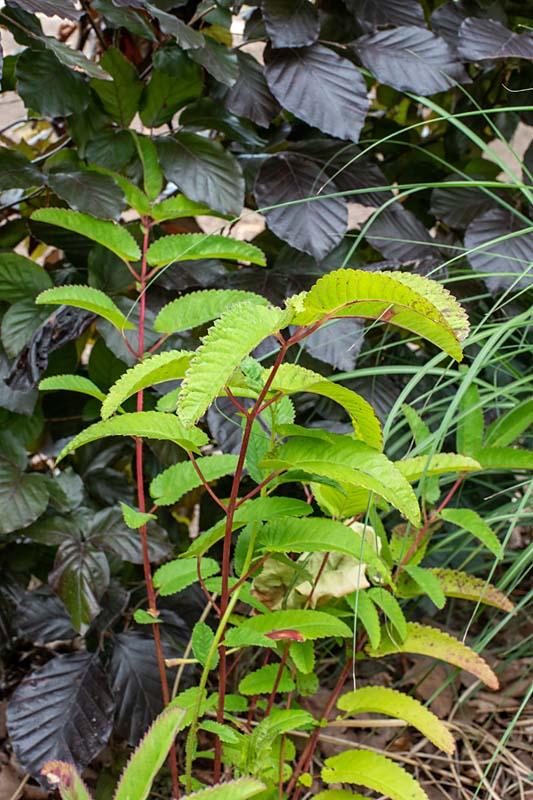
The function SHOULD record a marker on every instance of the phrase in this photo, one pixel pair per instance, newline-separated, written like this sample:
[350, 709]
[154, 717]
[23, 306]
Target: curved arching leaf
[439, 464]
[169, 486]
[198, 246]
[167, 366]
[306, 624]
[426, 641]
[410, 301]
[349, 462]
[292, 378]
[481, 39]
[151, 752]
[232, 337]
[382, 700]
[148, 424]
[462, 585]
[115, 237]
[197, 308]
[292, 183]
[88, 298]
[427, 582]
[510, 425]
[472, 522]
[411, 58]
[320, 87]
[390, 607]
[71, 383]
[373, 771]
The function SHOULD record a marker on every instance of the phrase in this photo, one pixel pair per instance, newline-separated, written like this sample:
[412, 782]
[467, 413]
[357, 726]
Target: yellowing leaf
[439, 464]
[455, 583]
[373, 771]
[426, 641]
[382, 700]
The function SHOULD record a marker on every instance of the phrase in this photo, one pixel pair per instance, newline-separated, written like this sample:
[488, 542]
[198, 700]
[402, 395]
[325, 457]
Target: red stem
[226, 555]
[205, 483]
[258, 488]
[277, 682]
[150, 591]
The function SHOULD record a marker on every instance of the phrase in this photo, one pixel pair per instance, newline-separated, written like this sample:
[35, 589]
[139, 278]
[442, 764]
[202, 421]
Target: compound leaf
[169, 486]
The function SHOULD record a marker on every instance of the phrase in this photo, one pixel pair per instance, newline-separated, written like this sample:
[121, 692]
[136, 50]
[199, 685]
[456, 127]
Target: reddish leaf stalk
[226, 556]
[141, 500]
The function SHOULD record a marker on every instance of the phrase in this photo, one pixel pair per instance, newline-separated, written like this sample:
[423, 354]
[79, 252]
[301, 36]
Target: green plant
[285, 509]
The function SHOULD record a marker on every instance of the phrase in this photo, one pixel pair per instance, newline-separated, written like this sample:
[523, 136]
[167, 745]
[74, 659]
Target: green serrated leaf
[292, 378]
[471, 521]
[120, 96]
[71, 383]
[197, 308]
[224, 732]
[391, 608]
[462, 585]
[167, 366]
[143, 617]
[373, 771]
[338, 794]
[232, 337]
[263, 680]
[148, 424]
[303, 656]
[88, 298]
[381, 700]
[438, 464]
[109, 234]
[199, 246]
[240, 789]
[508, 426]
[169, 486]
[409, 301]
[302, 625]
[503, 458]
[428, 583]
[202, 639]
[349, 462]
[426, 641]
[133, 518]
[148, 758]
[368, 616]
[180, 206]
[177, 575]
[470, 425]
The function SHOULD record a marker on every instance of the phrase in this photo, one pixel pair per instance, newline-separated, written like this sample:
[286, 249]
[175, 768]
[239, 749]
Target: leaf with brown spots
[455, 583]
[426, 641]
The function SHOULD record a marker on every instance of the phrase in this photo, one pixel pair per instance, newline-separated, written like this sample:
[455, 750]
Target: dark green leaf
[66, 91]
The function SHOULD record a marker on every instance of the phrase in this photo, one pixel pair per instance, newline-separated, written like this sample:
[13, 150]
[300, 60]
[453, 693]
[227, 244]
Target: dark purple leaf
[136, 684]
[16, 171]
[63, 711]
[224, 423]
[315, 226]
[372, 14]
[204, 171]
[114, 603]
[320, 87]
[487, 38]
[89, 192]
[411, 59]
[208, 114]
[401, 237]
[343, 164]
[80, 577]
[41, 617]
[506, 264]
[23, 496]
[446, 21]
[337, 343]
[291, 23]
[109, 532]
[527, 167]
[457, 206]
[51, 8]
[250, 96]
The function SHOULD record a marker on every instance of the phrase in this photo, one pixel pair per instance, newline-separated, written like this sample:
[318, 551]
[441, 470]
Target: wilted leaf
[62, 711]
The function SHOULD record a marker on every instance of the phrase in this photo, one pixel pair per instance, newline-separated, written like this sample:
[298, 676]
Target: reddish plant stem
[205, 483]
[236, 403]
[258, 488]
[250, 572]
[141, 500]
[277, 682]
[307, 755]
[429, 521]
[204, 588]
[226, 555]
